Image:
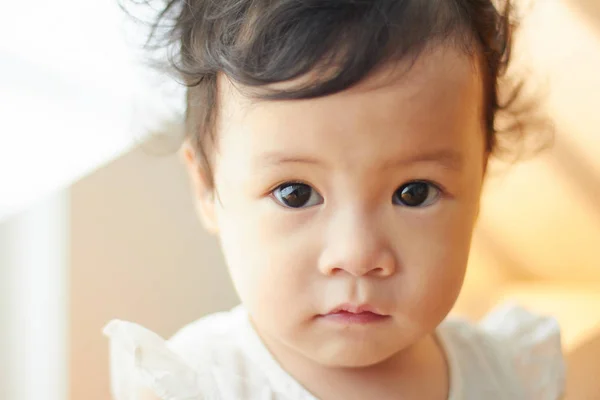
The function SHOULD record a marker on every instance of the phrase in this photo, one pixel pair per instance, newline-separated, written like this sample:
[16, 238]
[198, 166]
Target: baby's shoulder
[207, 359]
[218, 337]
[512, 353]
[223, 326]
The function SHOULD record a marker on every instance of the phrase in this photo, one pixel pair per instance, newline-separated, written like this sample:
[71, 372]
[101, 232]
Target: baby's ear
[202, 190]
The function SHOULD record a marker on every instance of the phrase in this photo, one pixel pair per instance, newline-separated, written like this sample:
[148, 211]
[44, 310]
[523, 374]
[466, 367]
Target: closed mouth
[349, 314]
[349, 308]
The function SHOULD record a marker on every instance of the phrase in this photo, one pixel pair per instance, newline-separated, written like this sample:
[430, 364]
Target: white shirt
[512, 354]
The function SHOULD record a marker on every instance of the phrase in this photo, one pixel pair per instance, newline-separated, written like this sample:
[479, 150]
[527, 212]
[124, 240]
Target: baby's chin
[350, 354]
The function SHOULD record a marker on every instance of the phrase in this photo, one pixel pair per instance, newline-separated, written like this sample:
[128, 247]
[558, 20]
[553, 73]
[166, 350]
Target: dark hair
[260, 42]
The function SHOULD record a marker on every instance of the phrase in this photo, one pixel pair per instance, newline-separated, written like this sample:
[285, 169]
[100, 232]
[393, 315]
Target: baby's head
[338, 150]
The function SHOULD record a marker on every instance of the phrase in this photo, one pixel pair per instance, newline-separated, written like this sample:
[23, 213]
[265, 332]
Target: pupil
[295, 195]
[414, 194]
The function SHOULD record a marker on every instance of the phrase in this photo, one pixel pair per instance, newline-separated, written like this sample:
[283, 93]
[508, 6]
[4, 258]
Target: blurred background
[97, 223]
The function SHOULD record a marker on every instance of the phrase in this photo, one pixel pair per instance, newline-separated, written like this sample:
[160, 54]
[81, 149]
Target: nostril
[379, 272]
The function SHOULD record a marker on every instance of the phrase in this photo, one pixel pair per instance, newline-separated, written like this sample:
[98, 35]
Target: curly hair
[257, 43]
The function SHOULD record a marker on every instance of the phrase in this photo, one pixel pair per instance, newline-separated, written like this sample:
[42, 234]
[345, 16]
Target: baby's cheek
[431, 275]
[444, 279]
[240, 252]
[266, 265]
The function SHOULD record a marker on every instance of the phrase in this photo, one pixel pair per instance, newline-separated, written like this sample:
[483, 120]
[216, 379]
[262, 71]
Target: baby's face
[346, 220]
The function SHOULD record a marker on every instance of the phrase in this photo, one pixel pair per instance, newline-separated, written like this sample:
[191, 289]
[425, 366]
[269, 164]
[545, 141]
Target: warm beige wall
[539, 231]
[138, 253]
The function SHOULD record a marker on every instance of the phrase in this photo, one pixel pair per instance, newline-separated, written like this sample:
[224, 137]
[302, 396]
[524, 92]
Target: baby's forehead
[435, 106]
[438, 69]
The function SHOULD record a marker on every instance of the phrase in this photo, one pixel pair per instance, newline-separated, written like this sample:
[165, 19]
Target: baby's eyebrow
[448, 158]
[275, 158]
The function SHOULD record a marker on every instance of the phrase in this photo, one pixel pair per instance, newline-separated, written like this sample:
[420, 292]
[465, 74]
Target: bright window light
[73, 94]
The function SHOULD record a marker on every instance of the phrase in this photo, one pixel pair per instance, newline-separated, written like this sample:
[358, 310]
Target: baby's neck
[419, 372]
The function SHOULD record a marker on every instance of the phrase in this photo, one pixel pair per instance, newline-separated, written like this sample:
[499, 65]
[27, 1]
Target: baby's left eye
[297, 195]
[416, 194]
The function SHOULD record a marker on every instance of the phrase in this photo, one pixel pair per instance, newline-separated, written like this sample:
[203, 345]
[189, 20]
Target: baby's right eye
[297, 195]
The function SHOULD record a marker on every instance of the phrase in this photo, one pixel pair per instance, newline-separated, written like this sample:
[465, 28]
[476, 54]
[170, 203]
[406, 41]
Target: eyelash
[281, 186]
[439, 192]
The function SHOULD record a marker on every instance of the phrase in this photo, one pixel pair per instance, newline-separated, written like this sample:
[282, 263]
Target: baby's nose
[359, 247]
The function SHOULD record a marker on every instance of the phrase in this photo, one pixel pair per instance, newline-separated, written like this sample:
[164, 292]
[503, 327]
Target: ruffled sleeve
[139, 358]
[534, 344]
